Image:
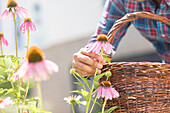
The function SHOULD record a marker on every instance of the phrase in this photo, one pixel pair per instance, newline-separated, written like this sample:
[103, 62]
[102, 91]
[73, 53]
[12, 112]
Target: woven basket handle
[133, 16]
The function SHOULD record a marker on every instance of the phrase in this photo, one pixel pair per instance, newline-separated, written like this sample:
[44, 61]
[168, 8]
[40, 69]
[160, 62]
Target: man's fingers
[93, 55]
[87, 60]
[84, 67]
[82, 73]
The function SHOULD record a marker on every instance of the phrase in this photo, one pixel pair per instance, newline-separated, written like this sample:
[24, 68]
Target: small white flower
[73, 99]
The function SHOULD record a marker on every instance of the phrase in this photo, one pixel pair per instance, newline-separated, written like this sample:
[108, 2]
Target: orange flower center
[102, 37]
[105, 83]
[34, 54]
[1, 100]
[27, 20]
[1, 34]
[12, 3]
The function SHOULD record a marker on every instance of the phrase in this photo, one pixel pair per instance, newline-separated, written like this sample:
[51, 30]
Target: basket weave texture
[144, 87]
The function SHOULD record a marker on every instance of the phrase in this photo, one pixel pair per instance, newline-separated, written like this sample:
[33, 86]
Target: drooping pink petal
[31, 26]
[21, 26]
[24, 10]
[103, 92]
[51, 66]
[24, 28]
[27, 26]
[99, 92]
[42, 74]
[108, 94]
[34, 27]
[19, 10]
[4, 41]
[115, 94]
[23, 71]
[4, 14]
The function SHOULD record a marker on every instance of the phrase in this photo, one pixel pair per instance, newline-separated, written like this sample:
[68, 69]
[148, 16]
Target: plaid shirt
[156, 32]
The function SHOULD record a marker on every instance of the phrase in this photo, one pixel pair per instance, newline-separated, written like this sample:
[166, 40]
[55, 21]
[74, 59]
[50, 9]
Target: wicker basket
[144, 87]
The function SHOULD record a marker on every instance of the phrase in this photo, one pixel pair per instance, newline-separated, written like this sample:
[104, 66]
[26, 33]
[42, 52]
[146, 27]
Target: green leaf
[2, 77]
[34, 109]
[79, 83]
[85, 94]
[2, 66]
[3, 81]
[98, 103]
[108, 110]
[84, 80]
[76, 91]
[72, 71]
[2, 56]
[97, 77]
[14, 60]
[108, 74]
[32, 99]
[22, 89]
[111, 109]
[96, 84]
[107, 58]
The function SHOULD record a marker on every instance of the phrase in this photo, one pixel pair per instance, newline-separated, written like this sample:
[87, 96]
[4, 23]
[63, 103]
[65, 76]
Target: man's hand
[86, 63]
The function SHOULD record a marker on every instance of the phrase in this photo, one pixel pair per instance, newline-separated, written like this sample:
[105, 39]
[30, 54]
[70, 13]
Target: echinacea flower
[3, 40]
[36, 66]
[101, 42]
[5, 102]
[13, 8]
[27, 25]
[105, 90]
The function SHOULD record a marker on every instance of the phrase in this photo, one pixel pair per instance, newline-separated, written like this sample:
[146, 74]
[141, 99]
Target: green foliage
[34, 109]
[85, 93]
[14, 60]
[108, 110]
[107, 58]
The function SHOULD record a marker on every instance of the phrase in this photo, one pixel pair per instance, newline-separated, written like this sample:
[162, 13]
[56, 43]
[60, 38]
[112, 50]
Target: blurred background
[64, 26]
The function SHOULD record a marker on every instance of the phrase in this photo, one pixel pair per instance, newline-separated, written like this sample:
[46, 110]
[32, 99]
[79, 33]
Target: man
[156, 32]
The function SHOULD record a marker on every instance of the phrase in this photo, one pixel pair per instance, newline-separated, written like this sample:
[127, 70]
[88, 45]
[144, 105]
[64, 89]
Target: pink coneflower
[5, 102]
[3, 40]
[36, 66]
[101, 43]
[13, 8]
[27, 25]
[106, 91]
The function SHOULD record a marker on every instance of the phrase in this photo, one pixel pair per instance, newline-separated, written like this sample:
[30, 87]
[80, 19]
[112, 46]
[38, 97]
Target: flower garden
[20, 73]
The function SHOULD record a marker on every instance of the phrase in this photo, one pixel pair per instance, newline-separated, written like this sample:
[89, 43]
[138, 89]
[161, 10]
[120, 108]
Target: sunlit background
[64, 26]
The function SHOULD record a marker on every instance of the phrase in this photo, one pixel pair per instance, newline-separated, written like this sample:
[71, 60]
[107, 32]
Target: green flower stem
[1, 47]
[93, 104]
[101, 52]
[39, 94]
[26, 93]
[104, 104]
[16, 44]
[2, 110]
[18, 96]
[78, 79]
[2, 52]
[12, 84]
[28, 39]
[91, 91]
[73, 109]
